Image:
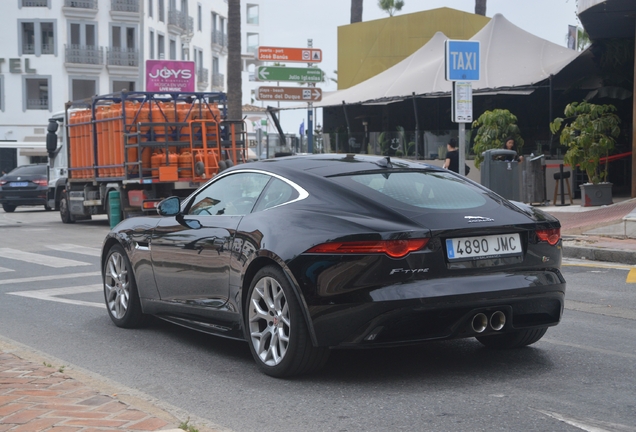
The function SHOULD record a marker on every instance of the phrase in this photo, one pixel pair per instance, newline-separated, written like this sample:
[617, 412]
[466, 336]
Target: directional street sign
[462, 60]
[302, 55]
[278, 73]
[289, 94]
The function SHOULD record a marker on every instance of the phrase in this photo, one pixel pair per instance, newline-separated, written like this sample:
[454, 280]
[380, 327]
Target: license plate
[19, 184]
[483, 247]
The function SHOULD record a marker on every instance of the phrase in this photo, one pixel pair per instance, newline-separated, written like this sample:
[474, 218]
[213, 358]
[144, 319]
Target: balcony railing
[37, 104]
[218, 80]
[122, 57]
[125, 5]
[35, 3]
[81, 54]
[203, 76]
[219, 38]
[181, 20]
[28, 49]
[81, 4]
[48, 49]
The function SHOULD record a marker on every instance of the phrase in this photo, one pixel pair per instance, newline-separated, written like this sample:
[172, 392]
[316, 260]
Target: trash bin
[500, 173]
[533, 180]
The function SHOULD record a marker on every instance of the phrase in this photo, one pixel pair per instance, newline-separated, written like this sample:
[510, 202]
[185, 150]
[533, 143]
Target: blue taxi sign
[462, 60]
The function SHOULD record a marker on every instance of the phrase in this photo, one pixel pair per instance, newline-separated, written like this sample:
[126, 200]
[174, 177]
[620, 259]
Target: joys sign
[169, 76]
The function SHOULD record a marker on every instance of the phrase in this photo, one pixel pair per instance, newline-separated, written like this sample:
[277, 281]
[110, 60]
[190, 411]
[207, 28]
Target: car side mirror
[170, 206]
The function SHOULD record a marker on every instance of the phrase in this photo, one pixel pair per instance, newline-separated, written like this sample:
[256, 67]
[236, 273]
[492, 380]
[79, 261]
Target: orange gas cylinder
[131, 119]
[183, 114]
[90, 145]
[73, 142]
[117, 143]
[146, 152]
[170, 113]
[158, 120]
[83, 147]
[185, 165]
[157, 159]
[173, 159]
[99, 125]
[106, 141]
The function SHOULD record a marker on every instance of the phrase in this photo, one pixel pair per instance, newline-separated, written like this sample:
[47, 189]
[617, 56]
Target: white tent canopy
[510, 57]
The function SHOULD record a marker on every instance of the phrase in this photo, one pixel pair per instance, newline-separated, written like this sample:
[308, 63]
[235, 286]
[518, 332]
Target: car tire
[276, 329]
[8, 208]
[120, 290]
[516, 339]
[65, 211]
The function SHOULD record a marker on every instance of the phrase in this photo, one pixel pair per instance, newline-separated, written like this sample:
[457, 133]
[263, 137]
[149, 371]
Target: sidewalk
[597, 233]
[38, 393]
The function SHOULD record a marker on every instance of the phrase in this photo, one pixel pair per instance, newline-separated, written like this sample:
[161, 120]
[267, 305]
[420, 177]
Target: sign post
[462, 67]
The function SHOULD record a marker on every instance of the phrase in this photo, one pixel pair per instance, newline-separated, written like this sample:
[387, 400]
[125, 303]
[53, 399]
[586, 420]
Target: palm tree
[356, 11]
[480, 7]
[390, 6]
[234, 82]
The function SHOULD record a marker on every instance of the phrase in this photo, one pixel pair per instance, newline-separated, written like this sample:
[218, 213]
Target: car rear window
[29, 170]
[422, 189]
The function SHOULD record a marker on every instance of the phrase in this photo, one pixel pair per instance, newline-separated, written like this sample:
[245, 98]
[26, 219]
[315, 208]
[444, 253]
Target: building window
[37, 92]
[151, 41]
[150, 8]
[162, 11]
[1, 92]
[252, 42]
[123, 86]
[199, 18]
[161, 47]
[83, 47]
[123, 46]
[252, 14]
[173, 49]
[83, 88]
[37, 37]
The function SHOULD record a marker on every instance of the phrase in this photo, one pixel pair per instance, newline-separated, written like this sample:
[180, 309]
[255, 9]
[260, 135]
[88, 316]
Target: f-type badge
[474, 219]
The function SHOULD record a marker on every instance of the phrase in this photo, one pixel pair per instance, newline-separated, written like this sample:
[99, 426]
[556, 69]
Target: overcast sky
[289, 23]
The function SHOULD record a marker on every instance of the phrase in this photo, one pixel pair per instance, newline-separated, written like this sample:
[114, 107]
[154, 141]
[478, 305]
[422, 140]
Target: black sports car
[299, 255]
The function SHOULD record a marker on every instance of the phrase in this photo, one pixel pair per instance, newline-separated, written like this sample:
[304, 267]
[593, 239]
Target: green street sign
[280, 73]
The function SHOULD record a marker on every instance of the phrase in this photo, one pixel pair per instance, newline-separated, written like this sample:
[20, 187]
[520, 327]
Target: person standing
[512, 145]
[452, 156]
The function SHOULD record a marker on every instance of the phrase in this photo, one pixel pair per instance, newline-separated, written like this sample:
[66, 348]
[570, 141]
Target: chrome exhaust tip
[497, 320]
[479, 323]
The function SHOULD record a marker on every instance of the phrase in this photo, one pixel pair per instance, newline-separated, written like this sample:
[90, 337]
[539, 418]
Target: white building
[54, 51]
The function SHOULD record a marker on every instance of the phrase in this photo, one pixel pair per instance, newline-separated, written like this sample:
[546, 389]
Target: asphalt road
[580, 376]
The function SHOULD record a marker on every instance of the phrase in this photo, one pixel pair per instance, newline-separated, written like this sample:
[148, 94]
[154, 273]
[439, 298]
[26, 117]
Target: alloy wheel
[117, 285]
[269, 321]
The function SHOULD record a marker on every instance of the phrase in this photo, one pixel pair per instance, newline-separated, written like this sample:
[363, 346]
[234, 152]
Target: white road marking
[40, 259]
[67, 247]
[4, 270]
[570, 262]
[53, 293]
[48, 278]
[589, 425]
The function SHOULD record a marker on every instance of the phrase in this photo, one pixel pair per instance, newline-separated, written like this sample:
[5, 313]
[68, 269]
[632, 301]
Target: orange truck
[122, 153]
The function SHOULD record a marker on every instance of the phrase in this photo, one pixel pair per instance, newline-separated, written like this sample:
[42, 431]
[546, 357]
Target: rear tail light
[150, 204]
[393, 248]
[552, 236]
[3, 182]
[41, 182]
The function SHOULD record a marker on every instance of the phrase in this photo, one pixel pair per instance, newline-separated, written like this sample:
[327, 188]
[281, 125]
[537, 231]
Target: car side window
[277, 192]
[232, 195]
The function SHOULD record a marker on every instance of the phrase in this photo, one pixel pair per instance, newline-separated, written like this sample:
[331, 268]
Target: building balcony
[48, 49]
[128, 57]
[218, 81]
[219, 41]
[28, 49]
[81, 54]
[37, 104]
[34, 3]
[80, 8]
[203, 79]
[125, 10]
[179, 23]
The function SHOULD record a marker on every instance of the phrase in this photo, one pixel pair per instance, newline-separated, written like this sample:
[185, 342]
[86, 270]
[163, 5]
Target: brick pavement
[38, 396]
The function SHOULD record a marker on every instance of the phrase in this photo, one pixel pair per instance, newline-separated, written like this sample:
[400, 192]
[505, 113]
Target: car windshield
[422, 189]
[29, 170]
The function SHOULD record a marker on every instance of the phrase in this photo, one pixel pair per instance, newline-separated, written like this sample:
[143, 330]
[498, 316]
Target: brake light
[393, 248]
[41, 182]
[3, 182]
[552, 236]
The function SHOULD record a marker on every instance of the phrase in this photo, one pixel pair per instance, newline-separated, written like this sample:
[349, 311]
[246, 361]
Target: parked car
[26, 185]
[302, 254]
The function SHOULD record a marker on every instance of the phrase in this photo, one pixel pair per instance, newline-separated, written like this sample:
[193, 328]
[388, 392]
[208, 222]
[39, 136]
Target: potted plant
[495, 127]
[589, 133]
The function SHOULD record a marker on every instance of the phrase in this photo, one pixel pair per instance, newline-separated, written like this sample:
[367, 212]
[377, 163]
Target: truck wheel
[65, 211]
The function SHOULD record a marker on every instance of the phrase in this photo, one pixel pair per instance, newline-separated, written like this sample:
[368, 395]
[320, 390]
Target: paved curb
[600, 254]
[117, 391]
